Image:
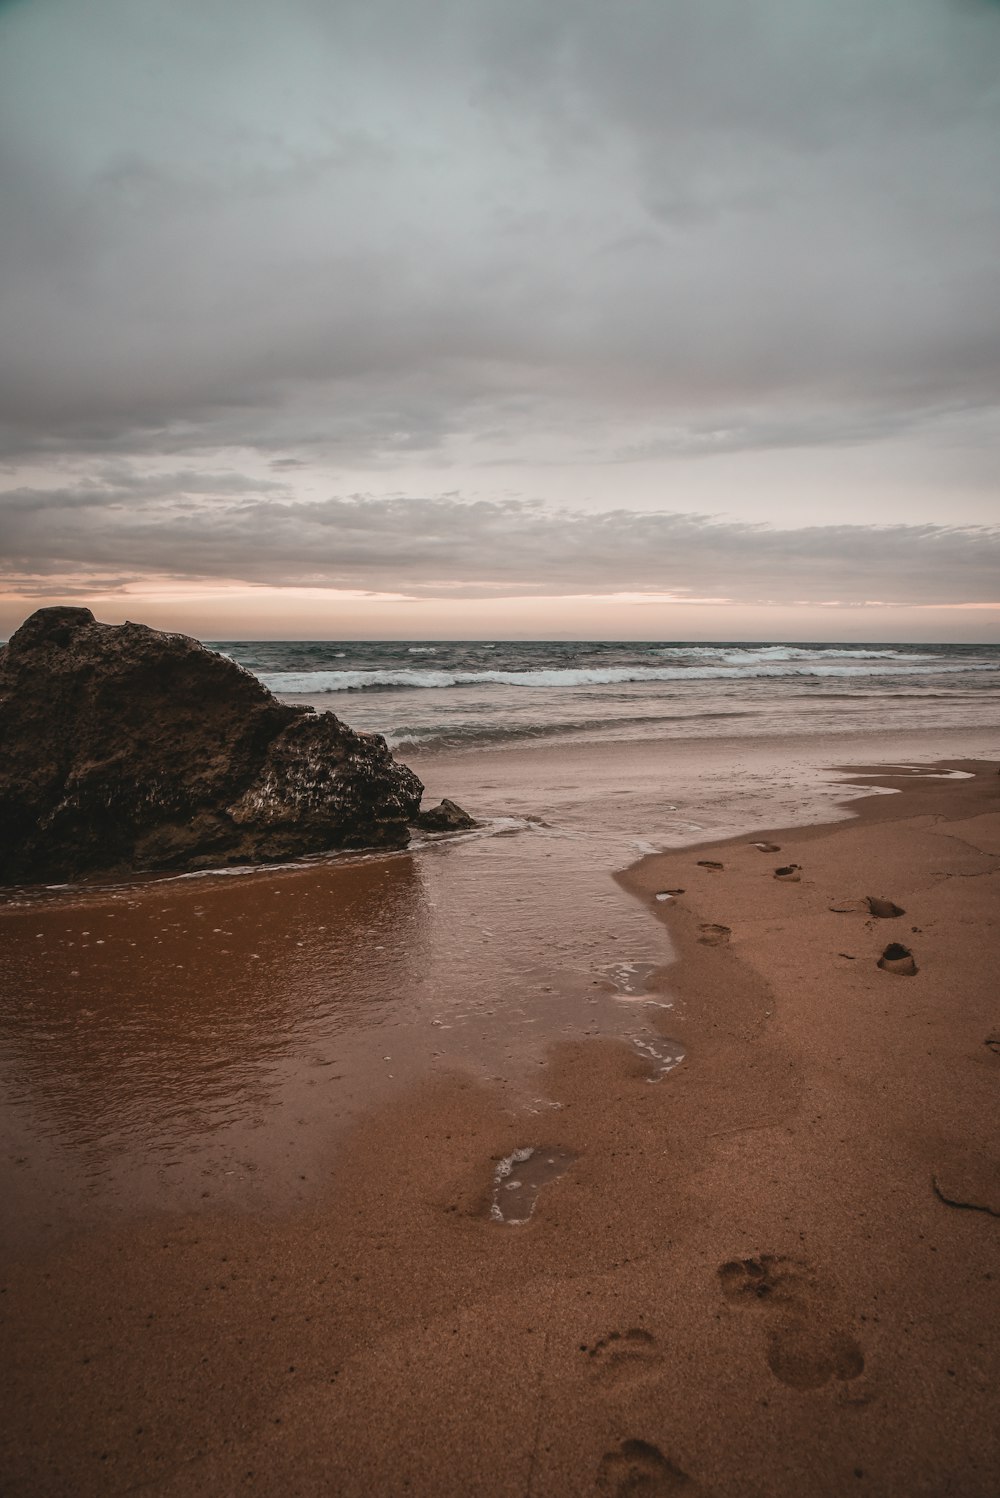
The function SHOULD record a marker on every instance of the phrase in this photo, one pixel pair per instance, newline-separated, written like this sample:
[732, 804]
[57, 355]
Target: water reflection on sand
[205, 1041]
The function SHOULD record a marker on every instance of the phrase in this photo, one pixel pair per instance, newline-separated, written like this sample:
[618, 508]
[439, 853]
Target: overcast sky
[662, 318]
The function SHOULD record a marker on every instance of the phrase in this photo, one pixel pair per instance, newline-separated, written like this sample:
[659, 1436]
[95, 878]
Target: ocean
[431, 695]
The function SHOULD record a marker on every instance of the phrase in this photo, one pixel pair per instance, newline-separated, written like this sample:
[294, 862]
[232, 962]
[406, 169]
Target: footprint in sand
[518, 1178]
[883, 910]
[771, 1278]
[639, 1467]
[714, 936]
[767, 847]
[804, 1350]
[621, 1357]
[791, 873]
[709, 863]
[898, 959]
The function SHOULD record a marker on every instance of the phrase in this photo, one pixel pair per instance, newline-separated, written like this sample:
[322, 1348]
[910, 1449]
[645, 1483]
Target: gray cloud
[375, 229]
[202, 526]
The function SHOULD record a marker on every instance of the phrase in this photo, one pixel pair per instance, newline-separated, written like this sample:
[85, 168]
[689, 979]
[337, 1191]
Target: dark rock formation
[125, 748]
[447, 817]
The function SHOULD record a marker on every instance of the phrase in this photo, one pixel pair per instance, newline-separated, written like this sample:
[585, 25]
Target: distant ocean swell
[437, 695]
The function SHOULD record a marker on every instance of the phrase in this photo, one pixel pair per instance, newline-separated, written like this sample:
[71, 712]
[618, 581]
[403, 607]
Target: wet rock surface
[125, 748]
[445, 817]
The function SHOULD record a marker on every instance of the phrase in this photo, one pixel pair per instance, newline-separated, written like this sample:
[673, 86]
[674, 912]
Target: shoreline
[439, 764]
[781, 1302]
[700, 947]
[301, 949]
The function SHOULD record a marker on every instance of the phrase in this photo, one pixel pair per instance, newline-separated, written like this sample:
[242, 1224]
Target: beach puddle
[519, 1177]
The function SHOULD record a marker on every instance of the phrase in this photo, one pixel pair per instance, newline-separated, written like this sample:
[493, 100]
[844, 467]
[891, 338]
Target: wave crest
[323, 682]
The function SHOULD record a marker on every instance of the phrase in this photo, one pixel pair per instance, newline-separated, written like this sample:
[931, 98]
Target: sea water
[434, 695]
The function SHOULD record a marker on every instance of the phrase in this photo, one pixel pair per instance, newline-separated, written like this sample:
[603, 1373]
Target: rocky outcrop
[447, 816]
[124, 748]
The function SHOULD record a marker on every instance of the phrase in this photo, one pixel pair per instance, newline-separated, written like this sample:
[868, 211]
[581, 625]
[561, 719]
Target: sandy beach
[769, 1269]
[499, 749]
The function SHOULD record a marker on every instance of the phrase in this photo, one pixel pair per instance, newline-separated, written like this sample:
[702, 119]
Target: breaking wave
[783, 653]
[322, 682]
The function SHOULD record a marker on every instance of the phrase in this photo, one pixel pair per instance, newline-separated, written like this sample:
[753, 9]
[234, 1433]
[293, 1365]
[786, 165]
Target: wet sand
[772, 1271]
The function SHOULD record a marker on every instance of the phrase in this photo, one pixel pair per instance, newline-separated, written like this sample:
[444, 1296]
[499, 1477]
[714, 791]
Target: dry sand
[774, 1272]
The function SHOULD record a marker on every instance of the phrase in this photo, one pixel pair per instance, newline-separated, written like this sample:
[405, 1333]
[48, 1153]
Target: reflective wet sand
[203, 1043]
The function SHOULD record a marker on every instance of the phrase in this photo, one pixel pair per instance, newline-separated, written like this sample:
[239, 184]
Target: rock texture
[447, 816]
[125, 748]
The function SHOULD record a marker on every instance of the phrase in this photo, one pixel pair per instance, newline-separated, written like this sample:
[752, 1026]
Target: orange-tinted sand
[775, 1271]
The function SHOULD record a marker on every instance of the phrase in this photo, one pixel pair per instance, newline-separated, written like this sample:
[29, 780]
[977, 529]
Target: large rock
[125, 748]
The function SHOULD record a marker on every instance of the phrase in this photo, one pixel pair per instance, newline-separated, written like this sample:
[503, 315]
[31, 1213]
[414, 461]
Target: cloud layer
[375, 243]
[384, 223]
[195, 526]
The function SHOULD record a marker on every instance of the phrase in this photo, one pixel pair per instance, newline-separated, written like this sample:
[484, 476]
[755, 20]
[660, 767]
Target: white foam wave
[322, 682]
[747, 654]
